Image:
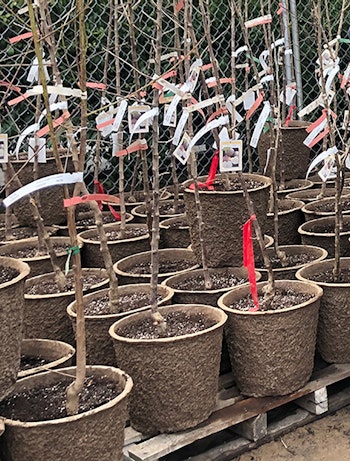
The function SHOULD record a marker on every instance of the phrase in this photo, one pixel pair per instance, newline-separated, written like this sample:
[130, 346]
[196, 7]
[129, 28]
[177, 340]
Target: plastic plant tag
[182, 152]
[3, 148]
[135, 112]
[172, 121]
[37, 146]
[180, 127]
[231, 156]
[249, 100]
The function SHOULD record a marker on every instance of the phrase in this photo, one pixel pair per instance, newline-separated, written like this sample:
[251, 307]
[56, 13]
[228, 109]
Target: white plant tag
[39, 145]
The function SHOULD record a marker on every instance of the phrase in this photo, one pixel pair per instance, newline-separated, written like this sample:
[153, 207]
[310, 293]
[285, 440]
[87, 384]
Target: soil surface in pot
[291, 261]
[113, 235]
[177, 324]
[219, 281]
[234, 184]
[178, 224]
[165, 266]
[292, 184]
[32, 252]
[31, 361]
[126, 303]
[327, 276]
[329, 206]
[282, 300]
[90, 221]
[168, 208]
[328, 228]
[48, 402]
[46, 287]
[7, 274]
[19, 233]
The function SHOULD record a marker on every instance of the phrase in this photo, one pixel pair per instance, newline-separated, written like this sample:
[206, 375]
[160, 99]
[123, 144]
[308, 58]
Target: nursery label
[258, 21]
[182, 152]
[37, 146]
[231, 156]
[49, 181]
[180, 127]
[260, 124]
[3, 148]
[138, 121]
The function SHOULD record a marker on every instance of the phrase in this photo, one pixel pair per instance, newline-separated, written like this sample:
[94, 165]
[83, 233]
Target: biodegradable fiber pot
[295, 155]
[294, 186]
[40, 264]
[11, 320]
[175, 233]
[140, 215]
[126, 272]
[224, 213]
[175, 379]
[288, 272]
[87, 436]
[209, 297]
[55, 353]
[91, 253]
[325, 207]
[333, 336]
[320, 232]
[99, 347]
[50, 199]
[310, 195]
[290, 217]
[45, 315]
[272, 352]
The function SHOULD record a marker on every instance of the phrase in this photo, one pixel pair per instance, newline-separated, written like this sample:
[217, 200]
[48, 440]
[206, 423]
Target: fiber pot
[140, 215]
[175, 379]
[56, 353]
[294, 185]
[272, 352]
[91, 253]
[50, 199]
[290, 217]
[292, 155]
[333, 335]
[88, 216]
[209, 297]
[320, 232]
[99, 347]
[45, 315]
[310, 195]
[325, 207]
[139, 198]
[288, 272]
[21, 233]
[126, 272]
[38, 264]
[81, 437]
[175, 233]
[11, 321]
[224, 213]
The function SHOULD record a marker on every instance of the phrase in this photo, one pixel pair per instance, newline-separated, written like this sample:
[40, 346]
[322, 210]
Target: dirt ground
[327, 439]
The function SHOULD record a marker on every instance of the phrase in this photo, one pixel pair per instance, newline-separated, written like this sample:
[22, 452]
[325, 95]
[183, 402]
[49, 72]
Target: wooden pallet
[248, 417]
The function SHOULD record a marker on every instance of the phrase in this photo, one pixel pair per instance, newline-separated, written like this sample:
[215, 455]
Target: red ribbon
[88, 198]
[290, 113]
[208, 184]
[248, 261]
[100, 190]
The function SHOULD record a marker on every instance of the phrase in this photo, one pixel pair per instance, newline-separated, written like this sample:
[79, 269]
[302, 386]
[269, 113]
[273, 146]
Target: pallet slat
[238, 412]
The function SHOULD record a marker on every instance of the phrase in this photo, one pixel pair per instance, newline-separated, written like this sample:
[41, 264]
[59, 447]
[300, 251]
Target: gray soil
[45, 287]
[23, 253]
[125, 303]
[327, 276]
[7, 274]
[129, 233]
[165, 267]
[282, 300]
[218, 281]
[291, 261]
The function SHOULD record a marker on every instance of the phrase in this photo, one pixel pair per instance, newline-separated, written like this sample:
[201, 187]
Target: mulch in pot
[165, 266]
[19, 233]
[128, 233]
[326, 276]
[291, 261]
[219, 281]
[328, 228]
[30, 361]
[25, 253]
[234, 184]
[7, 274]
[328, 206]
[126, 303]
[45, 287]
[284, 298]
[49, 402]
[177, 324]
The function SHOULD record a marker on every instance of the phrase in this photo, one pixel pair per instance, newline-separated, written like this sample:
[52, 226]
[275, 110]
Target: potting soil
[113, 235]
[219, 281]
[165, 266]
[7, 274]
[327, 276]
[125, 303]
[30, 361]
[291, 261]
[32, 252]
[49, 286]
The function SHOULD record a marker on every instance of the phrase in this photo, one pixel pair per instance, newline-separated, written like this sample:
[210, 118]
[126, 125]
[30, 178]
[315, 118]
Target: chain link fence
[134, 22]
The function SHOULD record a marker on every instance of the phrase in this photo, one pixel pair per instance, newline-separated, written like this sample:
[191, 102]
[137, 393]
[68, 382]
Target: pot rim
[164, 224]
[18, 264]
[327, 262]
[69, 353]
[302, 231]
[136, 212]
[115, 242]
[67, 419]
[306, 208]
[66, 293]
[296, 207]
[73, 314]
[193, 273]
[171, 307]
[258, 177]
[307, 185]
[317, 296]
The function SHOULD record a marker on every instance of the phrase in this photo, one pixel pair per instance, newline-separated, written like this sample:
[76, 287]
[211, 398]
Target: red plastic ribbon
[100, 190]
[59, 121]
[208, 184]
[222, 110]
[88, 198]
[280, 11]
[256, 104]
[248, 260]
[18, 38]
[290, 113]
